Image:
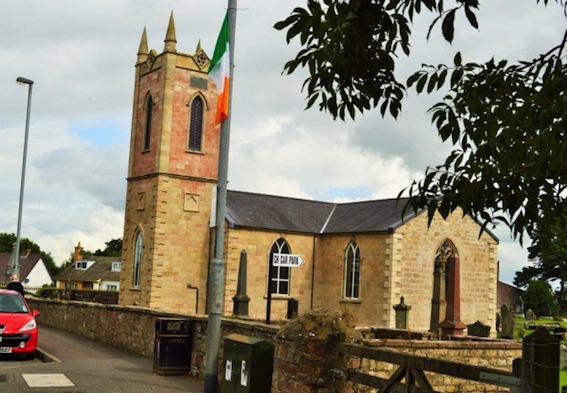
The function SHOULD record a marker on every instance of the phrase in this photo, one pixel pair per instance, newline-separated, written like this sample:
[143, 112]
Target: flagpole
[216, 277]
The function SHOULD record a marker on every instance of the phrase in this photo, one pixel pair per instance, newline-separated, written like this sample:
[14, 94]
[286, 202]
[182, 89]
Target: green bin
[248, 365]
[172, 346]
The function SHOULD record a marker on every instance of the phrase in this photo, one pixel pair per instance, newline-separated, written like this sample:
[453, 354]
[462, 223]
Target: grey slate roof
[249, 210]
[100, 270]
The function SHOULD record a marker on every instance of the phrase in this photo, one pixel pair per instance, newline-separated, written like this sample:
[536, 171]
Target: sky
[81, 56]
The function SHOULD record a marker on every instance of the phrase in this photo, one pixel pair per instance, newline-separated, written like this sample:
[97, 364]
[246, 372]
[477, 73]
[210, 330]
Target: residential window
[111, 287]
[280, 275]
[116, 266]
[196, 125]
[81, 265]
[352, 272]
[137, 261]
[148, 125]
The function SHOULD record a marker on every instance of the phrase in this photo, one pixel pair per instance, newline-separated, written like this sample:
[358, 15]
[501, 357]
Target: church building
[361, 257]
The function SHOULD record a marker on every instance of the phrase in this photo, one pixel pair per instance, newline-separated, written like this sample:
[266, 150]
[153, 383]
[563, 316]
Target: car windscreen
[12, 304]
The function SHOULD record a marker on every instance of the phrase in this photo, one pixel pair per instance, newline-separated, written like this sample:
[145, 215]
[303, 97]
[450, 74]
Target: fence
[537, 371]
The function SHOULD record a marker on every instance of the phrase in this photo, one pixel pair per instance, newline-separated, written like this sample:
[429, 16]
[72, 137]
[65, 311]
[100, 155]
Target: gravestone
[530, 316]
[402, 314]
[507, 322]
[478, 329]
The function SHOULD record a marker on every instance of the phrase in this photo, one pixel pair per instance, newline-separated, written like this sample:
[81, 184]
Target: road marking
[47, 380]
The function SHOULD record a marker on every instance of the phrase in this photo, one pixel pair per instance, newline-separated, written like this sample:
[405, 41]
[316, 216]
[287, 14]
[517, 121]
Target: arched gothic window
[137, 260]
[351, 285]
[148, 125]
[280, 275]
[196, 125]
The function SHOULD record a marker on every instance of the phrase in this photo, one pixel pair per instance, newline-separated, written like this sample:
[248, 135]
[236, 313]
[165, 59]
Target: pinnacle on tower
[170, 37]
[143, 49]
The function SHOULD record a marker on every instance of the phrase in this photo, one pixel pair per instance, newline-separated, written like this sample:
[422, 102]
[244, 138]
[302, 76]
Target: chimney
[78, 255]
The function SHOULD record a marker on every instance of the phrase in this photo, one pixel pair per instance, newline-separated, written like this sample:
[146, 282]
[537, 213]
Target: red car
[18, 328]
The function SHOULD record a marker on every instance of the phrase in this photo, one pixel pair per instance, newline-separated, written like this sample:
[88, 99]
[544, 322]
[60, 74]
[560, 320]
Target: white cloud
[81, 56]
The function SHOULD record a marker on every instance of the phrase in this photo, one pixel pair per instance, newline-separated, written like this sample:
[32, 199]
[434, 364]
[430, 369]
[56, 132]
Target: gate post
[540, 362]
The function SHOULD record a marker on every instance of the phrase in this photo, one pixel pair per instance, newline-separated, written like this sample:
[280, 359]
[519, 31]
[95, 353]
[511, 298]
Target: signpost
[280, 260]
[287, 260]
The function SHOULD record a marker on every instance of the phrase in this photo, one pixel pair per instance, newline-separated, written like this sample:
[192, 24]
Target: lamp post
[16, 266]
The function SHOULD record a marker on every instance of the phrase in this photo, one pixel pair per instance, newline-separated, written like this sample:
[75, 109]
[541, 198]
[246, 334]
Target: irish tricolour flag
[219, 71]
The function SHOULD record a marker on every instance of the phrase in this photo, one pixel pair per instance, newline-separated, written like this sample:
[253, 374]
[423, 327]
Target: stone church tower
[172, 174]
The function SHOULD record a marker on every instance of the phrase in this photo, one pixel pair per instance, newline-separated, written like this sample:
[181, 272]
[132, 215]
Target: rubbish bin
[172, 346]
[248, 365]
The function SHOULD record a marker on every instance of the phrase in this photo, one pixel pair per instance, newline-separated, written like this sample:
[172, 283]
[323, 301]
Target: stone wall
[304, 348]
[133, 328]
[492, 354]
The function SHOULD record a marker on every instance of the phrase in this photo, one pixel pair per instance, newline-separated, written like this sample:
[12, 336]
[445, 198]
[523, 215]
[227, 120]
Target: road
[79, 364]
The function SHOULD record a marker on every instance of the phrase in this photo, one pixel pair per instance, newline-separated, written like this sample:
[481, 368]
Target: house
[96, 273]
[361, 256]
[33, 271]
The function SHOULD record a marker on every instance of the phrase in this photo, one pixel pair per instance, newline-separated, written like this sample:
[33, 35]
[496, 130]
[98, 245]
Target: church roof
[250, 210]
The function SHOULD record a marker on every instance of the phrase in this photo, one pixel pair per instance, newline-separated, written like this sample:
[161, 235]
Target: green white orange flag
[219, 71]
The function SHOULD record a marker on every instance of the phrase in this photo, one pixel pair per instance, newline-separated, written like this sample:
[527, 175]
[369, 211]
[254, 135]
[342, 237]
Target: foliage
[537, 296]
[8, 242]
[113, 249]
[505, 120]
[548, 256]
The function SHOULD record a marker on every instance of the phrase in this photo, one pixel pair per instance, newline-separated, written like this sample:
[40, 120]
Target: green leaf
[448, 27]
[421, 83]
[456, 77]
[457, 60]
[432, 83]
[471, 17]
[441, 79]
[413, 78]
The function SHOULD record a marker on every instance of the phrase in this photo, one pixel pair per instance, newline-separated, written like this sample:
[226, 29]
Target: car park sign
[287, 260]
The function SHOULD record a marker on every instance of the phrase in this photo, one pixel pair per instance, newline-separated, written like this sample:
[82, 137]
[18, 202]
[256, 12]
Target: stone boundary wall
[133, 328]
[492, 354]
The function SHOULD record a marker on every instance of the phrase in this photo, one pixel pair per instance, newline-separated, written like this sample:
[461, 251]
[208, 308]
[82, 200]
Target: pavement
[69, 363]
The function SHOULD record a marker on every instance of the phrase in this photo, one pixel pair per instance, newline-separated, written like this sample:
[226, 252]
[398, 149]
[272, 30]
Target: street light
[16, 267]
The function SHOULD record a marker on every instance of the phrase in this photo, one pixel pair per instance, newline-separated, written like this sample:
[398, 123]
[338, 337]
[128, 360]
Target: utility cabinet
[248, 365]
[172, 346]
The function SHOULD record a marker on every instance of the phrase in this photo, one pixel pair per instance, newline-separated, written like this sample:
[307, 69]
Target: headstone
[498, 322]
[507, 322]
[530, 316]
[402, 313]
[478, 329]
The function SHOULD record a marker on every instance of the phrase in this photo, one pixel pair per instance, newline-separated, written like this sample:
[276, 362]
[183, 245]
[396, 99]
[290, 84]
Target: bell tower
[172, 173]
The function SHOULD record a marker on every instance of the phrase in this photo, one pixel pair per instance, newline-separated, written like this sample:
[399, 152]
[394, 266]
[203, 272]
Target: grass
[520, 331]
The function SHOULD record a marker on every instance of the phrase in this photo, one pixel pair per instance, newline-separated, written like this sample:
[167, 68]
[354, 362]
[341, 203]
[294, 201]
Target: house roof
[27, 263]
[101, 269]
[249, 210]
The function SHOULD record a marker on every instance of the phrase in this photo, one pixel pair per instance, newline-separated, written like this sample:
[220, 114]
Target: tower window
[137, 261]
[196, 125]
[148, 128]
